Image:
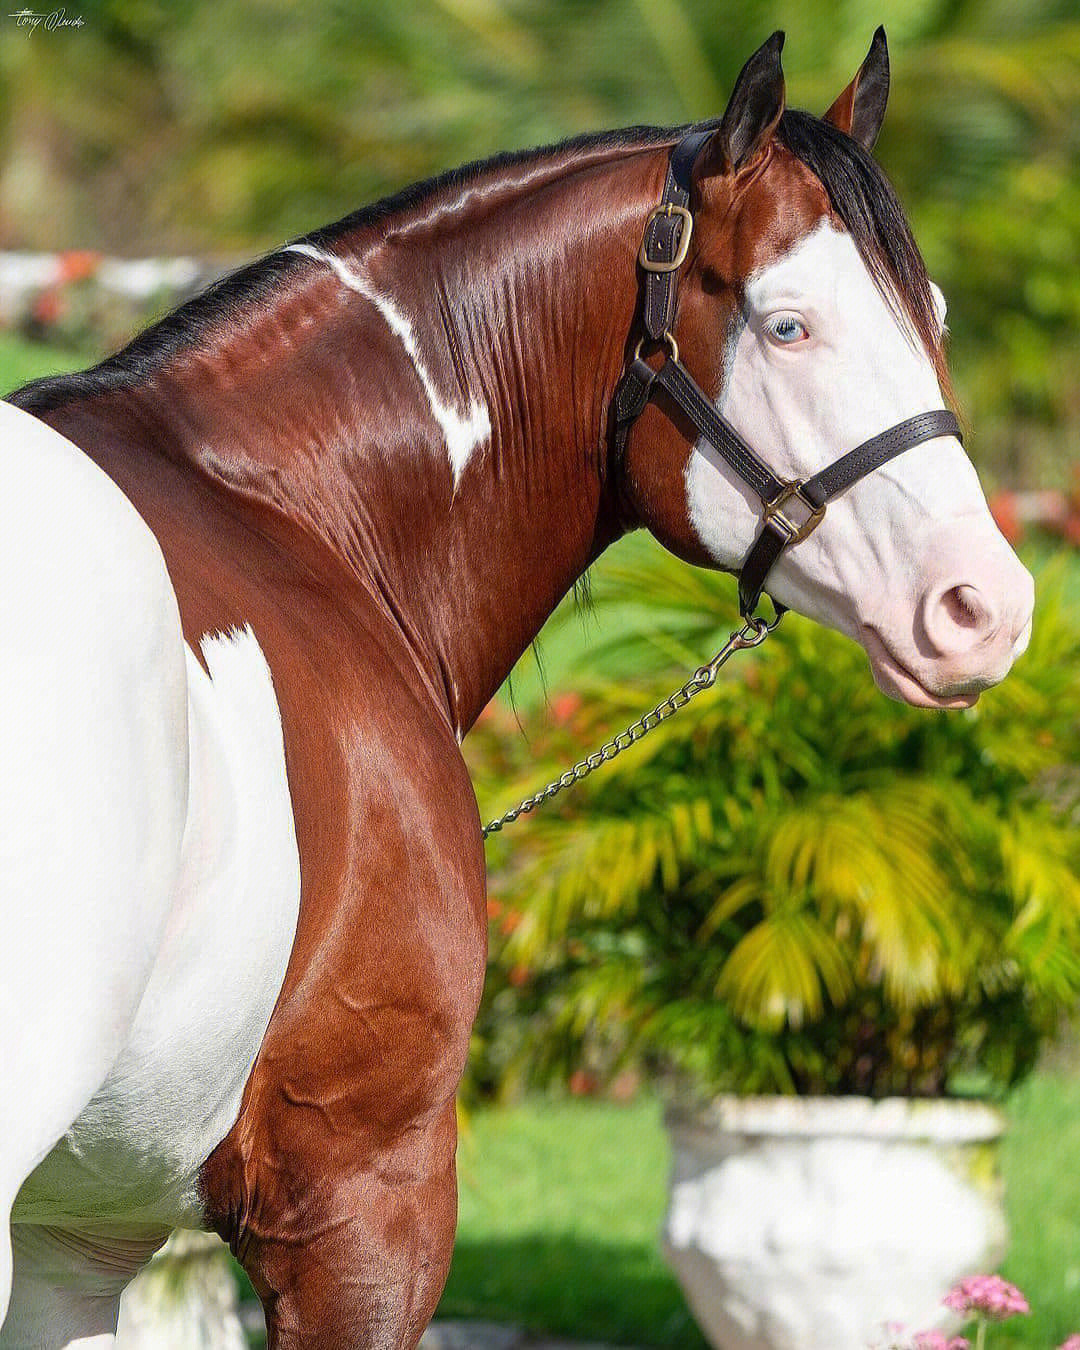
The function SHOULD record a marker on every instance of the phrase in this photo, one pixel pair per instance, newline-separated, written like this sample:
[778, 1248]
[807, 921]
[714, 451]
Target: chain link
[752, 634]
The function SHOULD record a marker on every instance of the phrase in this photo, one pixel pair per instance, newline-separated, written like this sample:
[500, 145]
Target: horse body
[373, 464]
[133, 1153]
[385, 967]
[187, 1018]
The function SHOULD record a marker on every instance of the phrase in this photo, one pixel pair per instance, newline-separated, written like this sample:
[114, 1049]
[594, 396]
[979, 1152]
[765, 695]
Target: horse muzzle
[969, 623]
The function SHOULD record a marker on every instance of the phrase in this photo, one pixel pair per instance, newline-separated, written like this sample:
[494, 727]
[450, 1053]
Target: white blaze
[889, 546]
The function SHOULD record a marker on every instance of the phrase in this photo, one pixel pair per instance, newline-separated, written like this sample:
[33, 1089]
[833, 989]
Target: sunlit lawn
[560, 1207]
[21, 361]
[561, 1204]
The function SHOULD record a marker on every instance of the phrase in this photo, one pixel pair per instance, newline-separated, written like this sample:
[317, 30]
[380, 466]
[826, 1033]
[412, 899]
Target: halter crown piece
[791, 509]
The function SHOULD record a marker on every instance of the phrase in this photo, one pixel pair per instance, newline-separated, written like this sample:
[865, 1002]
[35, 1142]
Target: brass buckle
[795, 530]
[665, 340]
[667, 209]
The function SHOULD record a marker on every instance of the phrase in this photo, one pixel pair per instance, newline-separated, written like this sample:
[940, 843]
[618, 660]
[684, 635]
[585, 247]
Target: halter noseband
[792, 509]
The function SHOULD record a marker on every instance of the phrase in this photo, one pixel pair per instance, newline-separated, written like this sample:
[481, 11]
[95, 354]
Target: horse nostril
[957, 620]
[964, 607]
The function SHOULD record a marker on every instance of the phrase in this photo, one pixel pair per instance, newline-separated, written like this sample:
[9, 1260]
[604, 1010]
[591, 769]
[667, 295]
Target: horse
[264, 567]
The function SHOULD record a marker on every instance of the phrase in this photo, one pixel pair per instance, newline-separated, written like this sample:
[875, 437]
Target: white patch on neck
[462, 434]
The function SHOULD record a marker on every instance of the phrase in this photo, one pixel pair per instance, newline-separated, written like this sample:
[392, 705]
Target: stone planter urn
[185, 1299]
[803, 1223]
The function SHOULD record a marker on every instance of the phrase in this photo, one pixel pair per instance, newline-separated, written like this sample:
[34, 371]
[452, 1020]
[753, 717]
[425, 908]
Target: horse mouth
[896, 681]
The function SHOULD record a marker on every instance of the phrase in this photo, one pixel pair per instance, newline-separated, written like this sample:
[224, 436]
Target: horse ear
[860, 109]
[753, 110]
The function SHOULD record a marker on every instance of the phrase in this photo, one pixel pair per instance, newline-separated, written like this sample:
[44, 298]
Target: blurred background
[796, 887]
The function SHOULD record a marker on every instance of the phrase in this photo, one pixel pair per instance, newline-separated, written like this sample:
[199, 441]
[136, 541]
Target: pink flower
[937, 1340]
[1073, 1343]
[989, 1295]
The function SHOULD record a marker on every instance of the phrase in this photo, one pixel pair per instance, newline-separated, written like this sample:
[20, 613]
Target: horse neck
[458, 462]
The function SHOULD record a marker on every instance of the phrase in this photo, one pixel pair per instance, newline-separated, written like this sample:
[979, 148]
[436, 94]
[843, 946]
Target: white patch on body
[93, 804]
[462, 433]
[910, 531]
[133, 1155]
[150, 890]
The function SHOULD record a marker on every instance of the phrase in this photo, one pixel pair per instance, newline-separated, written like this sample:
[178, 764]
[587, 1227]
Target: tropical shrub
[795, 886]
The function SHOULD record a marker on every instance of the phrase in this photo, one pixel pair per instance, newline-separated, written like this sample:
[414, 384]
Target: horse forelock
[866, 204]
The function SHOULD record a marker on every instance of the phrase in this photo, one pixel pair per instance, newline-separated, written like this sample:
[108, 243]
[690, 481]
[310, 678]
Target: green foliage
[228, 127]
[21, 361]
[795, 886]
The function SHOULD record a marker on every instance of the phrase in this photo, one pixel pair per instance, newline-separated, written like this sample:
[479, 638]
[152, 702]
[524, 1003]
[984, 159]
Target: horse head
[806, 312]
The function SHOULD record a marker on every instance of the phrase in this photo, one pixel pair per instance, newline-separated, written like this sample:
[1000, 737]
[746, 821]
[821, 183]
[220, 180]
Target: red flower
[1003, 509]
[581, 1083]
[48, 307]
[564, 706]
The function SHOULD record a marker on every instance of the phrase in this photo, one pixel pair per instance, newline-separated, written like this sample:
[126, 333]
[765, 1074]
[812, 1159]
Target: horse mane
[859, 192]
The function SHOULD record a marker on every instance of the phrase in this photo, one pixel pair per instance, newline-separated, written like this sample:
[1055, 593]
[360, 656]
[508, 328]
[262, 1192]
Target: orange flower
[1003, 509]
[510, 921]
[78, 264]
[564, 706]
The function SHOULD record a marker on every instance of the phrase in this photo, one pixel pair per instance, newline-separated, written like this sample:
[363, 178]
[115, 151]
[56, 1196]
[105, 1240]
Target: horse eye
[787, 329]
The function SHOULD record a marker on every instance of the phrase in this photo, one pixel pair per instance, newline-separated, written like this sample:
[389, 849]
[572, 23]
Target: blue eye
[787, 329]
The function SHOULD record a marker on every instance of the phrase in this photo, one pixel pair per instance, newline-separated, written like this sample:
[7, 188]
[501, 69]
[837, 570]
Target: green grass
[21, 361]
[561, 1203]
[1041, 1162]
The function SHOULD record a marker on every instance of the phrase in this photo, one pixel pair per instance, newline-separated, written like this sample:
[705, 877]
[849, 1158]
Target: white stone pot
[811, 1223]
[185, 1299]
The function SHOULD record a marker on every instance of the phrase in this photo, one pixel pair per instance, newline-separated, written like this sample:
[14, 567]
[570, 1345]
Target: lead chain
[752, 634]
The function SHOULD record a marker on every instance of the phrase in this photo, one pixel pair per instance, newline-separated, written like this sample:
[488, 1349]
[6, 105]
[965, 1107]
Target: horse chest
[174, 1092]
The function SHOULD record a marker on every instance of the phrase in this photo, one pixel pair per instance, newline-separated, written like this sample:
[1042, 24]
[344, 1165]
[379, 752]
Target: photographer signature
[58, 18]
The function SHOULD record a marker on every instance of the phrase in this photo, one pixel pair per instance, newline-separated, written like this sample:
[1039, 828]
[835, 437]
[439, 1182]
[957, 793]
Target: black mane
[860, 194]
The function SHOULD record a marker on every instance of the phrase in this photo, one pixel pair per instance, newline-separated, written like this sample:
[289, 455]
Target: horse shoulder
[369, 1037]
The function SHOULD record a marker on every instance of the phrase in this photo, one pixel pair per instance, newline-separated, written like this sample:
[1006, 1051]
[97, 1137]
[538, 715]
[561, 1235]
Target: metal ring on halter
[759, 629]
[665, 338]
[764, 625]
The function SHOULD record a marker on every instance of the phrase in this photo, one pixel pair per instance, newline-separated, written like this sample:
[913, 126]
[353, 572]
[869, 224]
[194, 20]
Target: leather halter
[791, 509]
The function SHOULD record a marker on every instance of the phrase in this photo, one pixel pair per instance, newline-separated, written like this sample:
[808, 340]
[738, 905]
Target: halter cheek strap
[790, 509]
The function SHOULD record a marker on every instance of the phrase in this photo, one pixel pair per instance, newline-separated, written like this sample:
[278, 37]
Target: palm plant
[796, 886]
